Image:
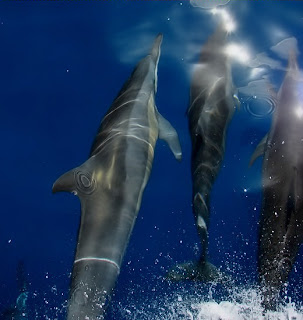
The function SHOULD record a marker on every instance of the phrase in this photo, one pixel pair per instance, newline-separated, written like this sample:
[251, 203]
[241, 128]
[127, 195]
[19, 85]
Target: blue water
[61, 65]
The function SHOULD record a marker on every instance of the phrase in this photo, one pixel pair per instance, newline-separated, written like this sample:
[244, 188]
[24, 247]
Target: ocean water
[61, 65]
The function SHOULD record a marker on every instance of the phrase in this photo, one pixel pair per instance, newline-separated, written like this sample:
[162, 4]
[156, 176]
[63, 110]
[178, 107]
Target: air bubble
[259, 106]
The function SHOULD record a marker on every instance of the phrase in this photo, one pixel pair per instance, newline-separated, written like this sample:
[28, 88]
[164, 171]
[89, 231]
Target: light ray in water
[299, 112]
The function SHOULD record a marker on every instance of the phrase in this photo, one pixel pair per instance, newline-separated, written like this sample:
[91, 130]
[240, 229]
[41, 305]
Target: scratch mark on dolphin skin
[98, 259]
[143, 140]
[122, 105]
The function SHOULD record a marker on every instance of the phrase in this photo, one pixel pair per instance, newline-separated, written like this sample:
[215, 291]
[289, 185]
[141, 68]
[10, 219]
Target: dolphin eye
[85, 182]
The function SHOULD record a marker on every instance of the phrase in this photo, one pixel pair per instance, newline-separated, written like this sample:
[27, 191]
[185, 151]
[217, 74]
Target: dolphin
[19, 310]
[281, 220]
[110, 186]
[211, 108]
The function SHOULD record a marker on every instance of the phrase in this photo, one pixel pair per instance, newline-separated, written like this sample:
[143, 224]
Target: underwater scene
[151, 160]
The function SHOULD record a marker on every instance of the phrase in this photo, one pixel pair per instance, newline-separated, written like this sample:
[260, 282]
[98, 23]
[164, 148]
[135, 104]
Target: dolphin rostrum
[110, 186]
[211, 108]
[281, 221]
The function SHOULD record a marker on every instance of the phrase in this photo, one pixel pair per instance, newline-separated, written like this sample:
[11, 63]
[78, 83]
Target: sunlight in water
[227, 20]
[238, 53]
[299, 112]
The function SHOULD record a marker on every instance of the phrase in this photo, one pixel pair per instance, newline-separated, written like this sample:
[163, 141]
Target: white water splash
[243, 304]
[226, 310]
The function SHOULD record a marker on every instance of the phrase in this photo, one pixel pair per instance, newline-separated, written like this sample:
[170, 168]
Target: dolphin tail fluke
[65, 183]
[196, 271]
[260, 149]
[169, 134]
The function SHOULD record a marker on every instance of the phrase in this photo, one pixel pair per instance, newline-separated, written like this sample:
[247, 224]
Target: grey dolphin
[210, 110]
[110, 186]
[281, 221]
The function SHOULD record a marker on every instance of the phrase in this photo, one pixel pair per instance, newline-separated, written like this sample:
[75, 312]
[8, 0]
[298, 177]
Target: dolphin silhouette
[110, 186]
[281, 221]
[20, 310]
[211, 108]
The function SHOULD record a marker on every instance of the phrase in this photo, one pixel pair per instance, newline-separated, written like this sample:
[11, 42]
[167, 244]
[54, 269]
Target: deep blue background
[61, 65]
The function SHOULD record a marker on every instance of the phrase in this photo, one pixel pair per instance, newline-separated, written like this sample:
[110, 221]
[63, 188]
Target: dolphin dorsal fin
[66, 182]
[169, 134]
[260, 149]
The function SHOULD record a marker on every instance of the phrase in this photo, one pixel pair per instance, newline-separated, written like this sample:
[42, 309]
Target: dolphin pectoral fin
[196, 271]
[260, 149]
[237, 102]
[65, 183]
[169, 134]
